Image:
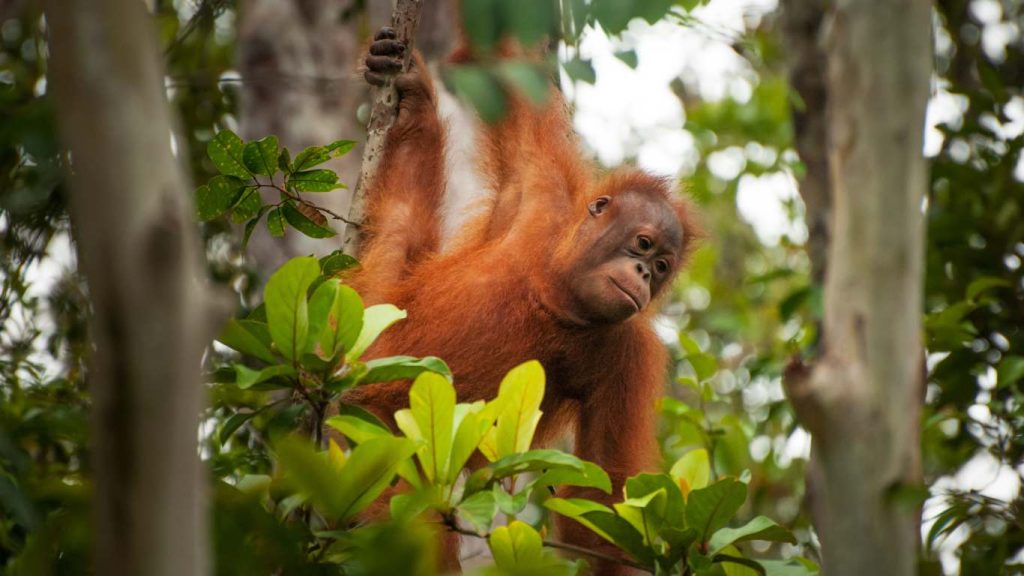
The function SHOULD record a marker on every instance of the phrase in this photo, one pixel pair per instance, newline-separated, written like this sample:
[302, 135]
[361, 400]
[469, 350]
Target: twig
[404, 20]
[454, 527]
[302, 200]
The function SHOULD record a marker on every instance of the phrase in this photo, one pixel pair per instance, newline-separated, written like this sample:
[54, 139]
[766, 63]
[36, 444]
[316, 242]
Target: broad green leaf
[480, 21]
[581, 70]
[692, 471]
[603, 522]
[376, 319]
[357, 429]
[335, 319]
[508, 503]
[304, 224]
[591, 476]
[234, 423]
[360, 426]
[711, 508]
[320, 180]
[336, 262]
[403, 368]
[532, 461]
[480, 87]
[469, 432]
[275, 222]
[340, 147]
[284, 161]
[248, 337]
[984, 284]
[628, 57]
[760, 528]
[1009, 371]
[285, 298]
[688, 344]
[310, 157]
[247, 377]
[248, 206]
[614, 16]
[516, 547]
[260, 157]
[225, 150]
[529, 79]
[704, 364]
[528, 20]
[479, 510]
[411, 504]
[795, 567]
[432, 404]
[519, 398]
[340, 494]
[217, 196]
[734, 564]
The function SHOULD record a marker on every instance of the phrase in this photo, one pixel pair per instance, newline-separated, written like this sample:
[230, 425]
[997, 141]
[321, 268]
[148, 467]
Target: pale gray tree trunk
[861, 398]
[138, 246]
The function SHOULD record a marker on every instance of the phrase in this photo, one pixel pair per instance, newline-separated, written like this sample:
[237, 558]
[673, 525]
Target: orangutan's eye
[644, 243]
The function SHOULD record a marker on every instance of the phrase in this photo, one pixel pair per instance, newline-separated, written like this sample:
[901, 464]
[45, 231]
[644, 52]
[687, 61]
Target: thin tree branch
[404, 20]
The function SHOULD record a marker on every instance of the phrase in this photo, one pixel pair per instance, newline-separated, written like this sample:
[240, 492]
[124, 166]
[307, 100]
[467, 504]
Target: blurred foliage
[744, 305]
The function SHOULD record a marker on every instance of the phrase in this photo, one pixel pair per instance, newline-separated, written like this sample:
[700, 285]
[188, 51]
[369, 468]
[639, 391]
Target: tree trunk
[861, 399]
[298, 62]
[139, 250]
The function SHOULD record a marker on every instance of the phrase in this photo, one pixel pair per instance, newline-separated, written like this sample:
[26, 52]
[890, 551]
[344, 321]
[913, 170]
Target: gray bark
[139, 250]
[861, 399]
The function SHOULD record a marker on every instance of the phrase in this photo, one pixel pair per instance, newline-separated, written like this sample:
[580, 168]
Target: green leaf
[480, 22]
[360, 426]
[470, 429]
[517, 548]
[533, 460]
[234, 423]
[284, 161]
[335, 319]
[628, 57]
[341, 494]
[251, 224]
[248, 337]
[247, 377]
[528, 78]
[260, 157]
[275, 222]
[507, 503]
[529, 20]
[336, 262]
[704, 365]
[653, 10]
[795, 567]
[614, 15]
[581, 70]
[709, 509]
[303, 224]
[248, 206]
[285, 298]
[340, 147]
[376, 319]
[591, 476]
[480, 87]
[518, 402]
[984, 284]
[734, 564]
[225, 150]
[432, 406]
[403, 368]
[692, 471]
[603, 522]
[760, 528]
[217, 196]
[1009, 371]
[478, 510]
[321, 180]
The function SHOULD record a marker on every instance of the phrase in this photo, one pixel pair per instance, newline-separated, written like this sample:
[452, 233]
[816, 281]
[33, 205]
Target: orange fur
[486, 305]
